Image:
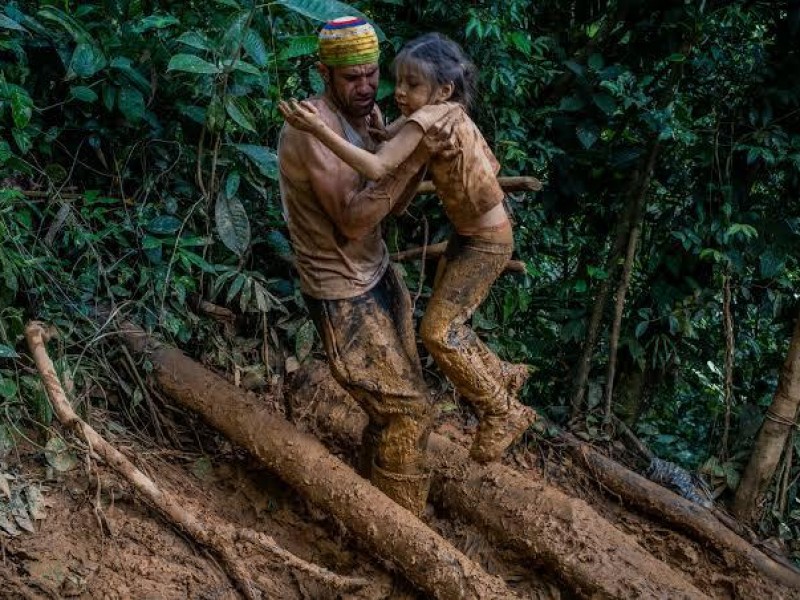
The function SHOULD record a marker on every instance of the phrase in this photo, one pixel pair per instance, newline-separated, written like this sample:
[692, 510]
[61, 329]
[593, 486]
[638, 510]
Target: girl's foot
[497, 432]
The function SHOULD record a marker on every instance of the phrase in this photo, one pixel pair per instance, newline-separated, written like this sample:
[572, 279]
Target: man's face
[353, 89]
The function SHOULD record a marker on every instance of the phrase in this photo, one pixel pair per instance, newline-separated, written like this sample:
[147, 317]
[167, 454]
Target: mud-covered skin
[470, 267]
[369, 341]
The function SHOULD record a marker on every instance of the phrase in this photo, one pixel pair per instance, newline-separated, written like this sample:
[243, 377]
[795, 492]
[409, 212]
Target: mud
[554, 532]
[98, 541]
[387, 530]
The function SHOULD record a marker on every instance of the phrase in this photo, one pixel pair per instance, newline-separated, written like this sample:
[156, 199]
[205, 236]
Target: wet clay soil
[99, 540]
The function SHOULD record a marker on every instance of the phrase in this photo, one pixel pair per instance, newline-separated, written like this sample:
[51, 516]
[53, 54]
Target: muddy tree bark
[388, 530]
[518, 512]
[778, 423]
[556, 533]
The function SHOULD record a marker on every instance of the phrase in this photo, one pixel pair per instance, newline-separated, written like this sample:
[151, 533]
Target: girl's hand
[301, 115]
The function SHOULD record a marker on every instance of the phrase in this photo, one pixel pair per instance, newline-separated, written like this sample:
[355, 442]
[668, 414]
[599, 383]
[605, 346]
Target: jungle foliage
[138, 172]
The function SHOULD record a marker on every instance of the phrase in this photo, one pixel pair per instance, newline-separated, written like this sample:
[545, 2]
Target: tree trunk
[778, 422]
[388, 530]
[555, 532]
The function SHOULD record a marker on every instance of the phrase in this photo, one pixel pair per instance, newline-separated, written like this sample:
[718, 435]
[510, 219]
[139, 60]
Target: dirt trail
[99, 541]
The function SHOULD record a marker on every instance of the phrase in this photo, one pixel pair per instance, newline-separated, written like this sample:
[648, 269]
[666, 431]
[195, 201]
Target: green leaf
[73, 27]
[305, 45]
[746, 231]
[83, 93]
[571, 103]
[164, 224]
[21, 107]
[587, 136]
[7, 352]
[326, 10]
[232, 184]
[237, 113]
[191, 64]
[5, 152]
[154, 22]
[605, 103]
[232, 223]
[596, 62]
[254, 45]
[195, 40]
[125, 65]
[641, 328]
[770, 264]
[109, 97]
[131, 104]
[262, 157]
[8, 389]
[87, 60]
[8, 23]
[22, 139]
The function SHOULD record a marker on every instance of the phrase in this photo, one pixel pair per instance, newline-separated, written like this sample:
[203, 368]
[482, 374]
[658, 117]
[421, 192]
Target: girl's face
[413, 90]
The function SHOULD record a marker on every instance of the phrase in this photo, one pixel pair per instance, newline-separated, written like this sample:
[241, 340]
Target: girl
[434, 87]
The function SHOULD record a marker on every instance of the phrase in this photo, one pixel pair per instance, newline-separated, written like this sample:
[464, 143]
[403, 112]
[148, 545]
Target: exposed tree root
[560, 534]
[220, 538]
[388, 530]
[677, 511]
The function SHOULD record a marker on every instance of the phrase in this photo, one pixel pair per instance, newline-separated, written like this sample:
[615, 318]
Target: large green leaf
[131, 104]
[154, 22]
[195, 40]
[303, 45]
[254, 45]
[21, 106]
[233, 225]
[87, 59]
[73, 27]
[262, 157]
[8, 23]
[7, 352]
[325, 10]
[191, 64]
[238, 114]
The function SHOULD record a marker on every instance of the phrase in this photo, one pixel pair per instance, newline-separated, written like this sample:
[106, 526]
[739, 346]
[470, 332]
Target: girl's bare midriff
[493, 226]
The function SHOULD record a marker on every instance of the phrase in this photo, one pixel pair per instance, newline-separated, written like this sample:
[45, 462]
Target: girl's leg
[471, 268]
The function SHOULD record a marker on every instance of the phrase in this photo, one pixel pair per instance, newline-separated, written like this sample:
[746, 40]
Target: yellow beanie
[348, 41]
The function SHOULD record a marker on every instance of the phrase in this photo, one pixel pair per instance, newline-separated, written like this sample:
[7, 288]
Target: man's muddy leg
[369, 355]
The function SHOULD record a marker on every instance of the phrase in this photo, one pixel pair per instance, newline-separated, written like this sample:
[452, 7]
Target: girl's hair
[440, 60]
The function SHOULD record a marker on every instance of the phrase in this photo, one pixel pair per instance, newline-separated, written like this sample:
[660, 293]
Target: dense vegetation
[138, 172]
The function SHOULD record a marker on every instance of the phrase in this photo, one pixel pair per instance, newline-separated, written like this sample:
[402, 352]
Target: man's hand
[301, 115]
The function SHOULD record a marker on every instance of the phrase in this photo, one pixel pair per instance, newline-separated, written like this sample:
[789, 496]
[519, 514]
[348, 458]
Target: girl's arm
[304, 116]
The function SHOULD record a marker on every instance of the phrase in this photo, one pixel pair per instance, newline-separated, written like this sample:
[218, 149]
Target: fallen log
[693, 519]
[508, 184]
[388, 530]
[436, 250]
[560, 534]
[218, 537]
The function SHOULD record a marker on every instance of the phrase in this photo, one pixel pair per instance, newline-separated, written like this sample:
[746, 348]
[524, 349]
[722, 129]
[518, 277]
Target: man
[361, 308]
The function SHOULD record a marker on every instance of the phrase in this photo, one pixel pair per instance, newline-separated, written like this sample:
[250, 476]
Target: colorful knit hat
[348, 41]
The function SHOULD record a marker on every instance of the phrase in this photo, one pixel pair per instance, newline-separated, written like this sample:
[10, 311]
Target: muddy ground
[94, 538]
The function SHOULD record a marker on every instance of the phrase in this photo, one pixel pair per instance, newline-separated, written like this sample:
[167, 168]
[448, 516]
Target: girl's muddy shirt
[462, 166]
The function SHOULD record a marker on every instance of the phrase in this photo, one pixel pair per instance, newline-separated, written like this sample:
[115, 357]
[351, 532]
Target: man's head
[348, 52]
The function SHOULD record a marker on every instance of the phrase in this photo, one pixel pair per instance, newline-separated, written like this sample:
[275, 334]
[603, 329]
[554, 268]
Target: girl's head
[430, 69]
